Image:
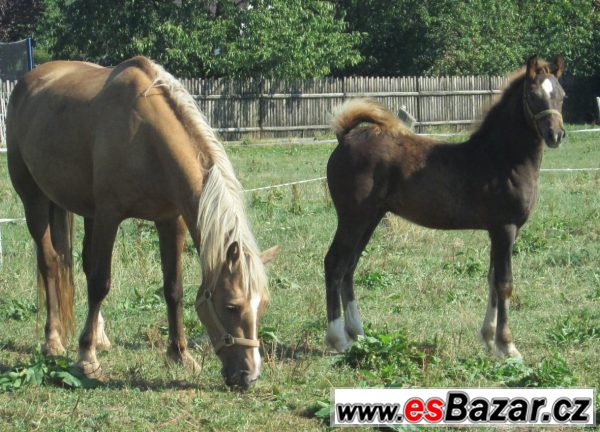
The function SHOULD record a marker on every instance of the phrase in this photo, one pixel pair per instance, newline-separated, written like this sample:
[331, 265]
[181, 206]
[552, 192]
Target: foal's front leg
[502, 243]
[488, 328]
[171, 235]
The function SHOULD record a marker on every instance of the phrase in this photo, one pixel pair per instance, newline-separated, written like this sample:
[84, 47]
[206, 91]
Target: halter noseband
[533, 118]
[226, 339]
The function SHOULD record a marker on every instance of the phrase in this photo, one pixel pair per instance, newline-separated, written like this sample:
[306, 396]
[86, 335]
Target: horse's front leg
[98, 284]
[503, 240]
[171, 235]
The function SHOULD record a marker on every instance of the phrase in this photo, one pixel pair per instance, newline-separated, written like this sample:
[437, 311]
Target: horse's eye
[232, 308]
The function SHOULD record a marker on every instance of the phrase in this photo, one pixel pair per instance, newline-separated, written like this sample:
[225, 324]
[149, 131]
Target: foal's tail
[357, 111]
[61, 231]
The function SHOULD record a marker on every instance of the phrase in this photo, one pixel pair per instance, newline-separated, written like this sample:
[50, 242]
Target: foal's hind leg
[353, 324]
[102, 341]
[502, 244]
[98, 283]
[171, 235]
[349, 241]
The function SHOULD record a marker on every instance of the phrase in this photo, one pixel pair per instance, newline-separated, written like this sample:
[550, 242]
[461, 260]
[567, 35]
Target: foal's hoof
[487, 341]
[183, 358]
[508, 351]
[336, 338]
[89, 369]
[354, 332]
[53, 347]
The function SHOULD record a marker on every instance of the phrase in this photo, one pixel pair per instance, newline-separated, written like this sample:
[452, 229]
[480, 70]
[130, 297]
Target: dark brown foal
[488, 182]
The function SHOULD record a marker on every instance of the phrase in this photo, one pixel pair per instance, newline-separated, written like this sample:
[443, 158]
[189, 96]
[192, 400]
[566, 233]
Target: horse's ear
[233, 255]
[269, 255]
[532, 66]
[559, 66]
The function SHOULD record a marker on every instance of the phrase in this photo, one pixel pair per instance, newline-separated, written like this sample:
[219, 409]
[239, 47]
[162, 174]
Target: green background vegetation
[312, 38]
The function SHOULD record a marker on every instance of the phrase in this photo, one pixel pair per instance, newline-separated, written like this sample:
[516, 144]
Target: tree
[437, 37]
[263, 38]
[18, 18]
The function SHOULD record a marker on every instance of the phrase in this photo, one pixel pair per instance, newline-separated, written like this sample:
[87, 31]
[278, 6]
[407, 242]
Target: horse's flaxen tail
[357, 111]
[61, 230]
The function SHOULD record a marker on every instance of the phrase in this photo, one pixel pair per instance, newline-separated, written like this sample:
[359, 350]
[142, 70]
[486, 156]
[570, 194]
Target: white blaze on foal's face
[548, 87]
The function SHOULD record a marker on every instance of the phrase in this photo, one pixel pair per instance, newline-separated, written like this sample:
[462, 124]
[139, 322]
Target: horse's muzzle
[239, 381]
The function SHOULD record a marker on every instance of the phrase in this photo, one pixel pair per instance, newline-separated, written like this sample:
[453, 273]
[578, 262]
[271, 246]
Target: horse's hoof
[89, 369]
[53, 347]
[176, 357]
[336, 339]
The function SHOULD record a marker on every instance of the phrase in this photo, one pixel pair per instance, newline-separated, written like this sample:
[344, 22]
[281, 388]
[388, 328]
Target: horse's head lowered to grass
[230, 312]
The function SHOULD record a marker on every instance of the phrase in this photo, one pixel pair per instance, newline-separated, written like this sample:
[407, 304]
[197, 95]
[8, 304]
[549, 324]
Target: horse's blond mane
[221, 215]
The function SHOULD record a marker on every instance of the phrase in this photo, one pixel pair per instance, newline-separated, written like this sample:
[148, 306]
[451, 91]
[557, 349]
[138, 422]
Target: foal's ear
[559, 66]
[233, 255]
[269, 255]
[532, 66]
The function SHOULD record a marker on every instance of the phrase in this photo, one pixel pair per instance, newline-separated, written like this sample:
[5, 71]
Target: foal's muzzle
[553, 137]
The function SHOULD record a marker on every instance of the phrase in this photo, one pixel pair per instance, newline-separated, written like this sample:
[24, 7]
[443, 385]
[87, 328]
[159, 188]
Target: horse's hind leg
[104, 232]
[340, 262]
[37, 213]
[102, 341]
[502, 244]
[171, 235]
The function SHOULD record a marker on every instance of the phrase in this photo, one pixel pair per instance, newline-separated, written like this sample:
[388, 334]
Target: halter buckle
[228, 340]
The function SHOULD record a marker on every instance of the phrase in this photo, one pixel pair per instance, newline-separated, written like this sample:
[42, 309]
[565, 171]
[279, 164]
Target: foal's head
[543, 99]
[230, 312]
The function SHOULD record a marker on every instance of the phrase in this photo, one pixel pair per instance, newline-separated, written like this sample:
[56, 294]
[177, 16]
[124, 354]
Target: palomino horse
[130, 142]
[488, 182]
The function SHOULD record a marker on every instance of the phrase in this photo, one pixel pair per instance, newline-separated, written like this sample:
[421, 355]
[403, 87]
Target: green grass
[422, 293]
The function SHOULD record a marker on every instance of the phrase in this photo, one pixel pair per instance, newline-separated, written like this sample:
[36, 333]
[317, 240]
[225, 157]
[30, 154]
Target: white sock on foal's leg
[335, 338]
[353, 325]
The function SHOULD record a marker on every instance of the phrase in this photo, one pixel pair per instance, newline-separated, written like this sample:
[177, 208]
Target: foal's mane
[221, 215]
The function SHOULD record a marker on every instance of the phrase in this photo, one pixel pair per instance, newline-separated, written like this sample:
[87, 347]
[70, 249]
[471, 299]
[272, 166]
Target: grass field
[422, 292]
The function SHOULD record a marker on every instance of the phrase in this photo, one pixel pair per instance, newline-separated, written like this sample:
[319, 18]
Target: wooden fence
[279, 108]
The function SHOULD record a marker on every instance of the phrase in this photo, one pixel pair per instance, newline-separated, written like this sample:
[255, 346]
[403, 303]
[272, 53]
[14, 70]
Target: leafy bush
[42, 370]
[385, 356]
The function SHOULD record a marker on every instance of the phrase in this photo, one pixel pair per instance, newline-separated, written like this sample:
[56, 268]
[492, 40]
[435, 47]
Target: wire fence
[322, 178]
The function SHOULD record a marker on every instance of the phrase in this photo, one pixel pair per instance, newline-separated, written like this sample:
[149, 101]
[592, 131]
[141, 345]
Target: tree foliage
[18, 18]
[269, 38]
[433, 37]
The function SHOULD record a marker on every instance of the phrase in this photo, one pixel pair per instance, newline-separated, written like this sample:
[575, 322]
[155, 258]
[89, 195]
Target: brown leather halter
[533, 118]
[226, 339]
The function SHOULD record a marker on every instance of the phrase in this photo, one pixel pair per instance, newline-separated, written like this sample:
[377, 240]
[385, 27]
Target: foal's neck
[506, 133]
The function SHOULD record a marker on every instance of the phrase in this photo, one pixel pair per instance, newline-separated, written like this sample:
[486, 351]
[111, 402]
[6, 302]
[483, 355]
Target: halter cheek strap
[225, 339]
